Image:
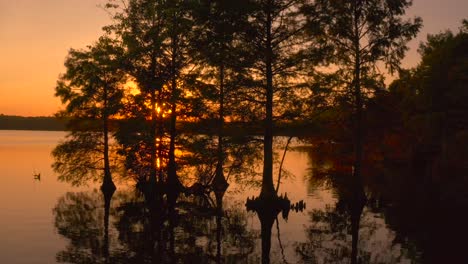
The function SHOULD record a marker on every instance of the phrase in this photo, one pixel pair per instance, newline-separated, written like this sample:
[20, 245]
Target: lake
[47, 221]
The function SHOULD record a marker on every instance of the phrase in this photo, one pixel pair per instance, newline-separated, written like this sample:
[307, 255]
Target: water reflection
[83, 218]
[161, 220]
[193, 231]
[352, 230]
[267, 207]
[382, 219]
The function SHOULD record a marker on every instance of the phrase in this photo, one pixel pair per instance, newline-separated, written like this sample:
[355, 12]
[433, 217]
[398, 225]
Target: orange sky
[35, 36]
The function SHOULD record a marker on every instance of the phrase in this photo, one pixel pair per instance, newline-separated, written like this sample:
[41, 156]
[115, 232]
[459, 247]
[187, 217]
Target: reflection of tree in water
[351, 230]
[83, 218]
[147, 234]
[200, 163]
[332, 232]
[268, 205]
[154, 226]
[432, 225]
[218, 235]
[188, 234]
[208, 165]
[142, 229]
[330, 236]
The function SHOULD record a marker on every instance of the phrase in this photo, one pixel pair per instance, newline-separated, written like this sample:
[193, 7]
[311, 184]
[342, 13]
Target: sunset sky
[35, 36]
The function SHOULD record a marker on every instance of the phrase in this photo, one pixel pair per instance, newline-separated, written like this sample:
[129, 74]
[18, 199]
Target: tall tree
[91, 88]
[156, 34]
[358, 36]
[142, 27]
[179, 25]
[274, 44]
[217, 27]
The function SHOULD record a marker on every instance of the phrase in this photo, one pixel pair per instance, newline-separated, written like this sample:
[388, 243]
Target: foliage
[91, 86]
[80, 218]
[433, 95]
[92, 90]
[355, 37]
[79, 159]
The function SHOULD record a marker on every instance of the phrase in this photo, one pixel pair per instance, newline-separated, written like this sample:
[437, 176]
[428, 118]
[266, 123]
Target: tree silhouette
[357, 35]
[141, 25]
[91, 88]
[273, 39]
[217, 27]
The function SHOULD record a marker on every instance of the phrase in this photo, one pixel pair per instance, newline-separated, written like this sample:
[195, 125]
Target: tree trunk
[219, 225]
[267, 215]
[268, 189]
[107, 183]
[108, 186]
[153, 141]
[172, 173]
[219, 182]
[358, 131]
[173, 180]
[356, 211]
[221, 112]
[160, 136]
[107, 200]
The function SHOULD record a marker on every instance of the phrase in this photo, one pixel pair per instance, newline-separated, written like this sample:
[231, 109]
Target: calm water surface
[48, 221]
[27, 224]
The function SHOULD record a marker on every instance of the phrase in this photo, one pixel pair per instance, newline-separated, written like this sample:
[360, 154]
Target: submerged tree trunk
[357, 205]
[355, 221]
[267, 216]
[172, 219]
[219, 224]
[268, 189]
[107, 201]
[219, 241]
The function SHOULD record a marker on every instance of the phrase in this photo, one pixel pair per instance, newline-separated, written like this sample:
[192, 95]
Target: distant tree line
[422, 116]
[44, 123]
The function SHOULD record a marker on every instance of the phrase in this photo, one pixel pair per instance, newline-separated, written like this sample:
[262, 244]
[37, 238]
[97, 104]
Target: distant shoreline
[37, 123]
[49, 123]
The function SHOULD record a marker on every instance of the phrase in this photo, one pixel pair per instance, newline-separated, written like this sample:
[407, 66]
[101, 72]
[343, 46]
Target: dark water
[48, 221]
